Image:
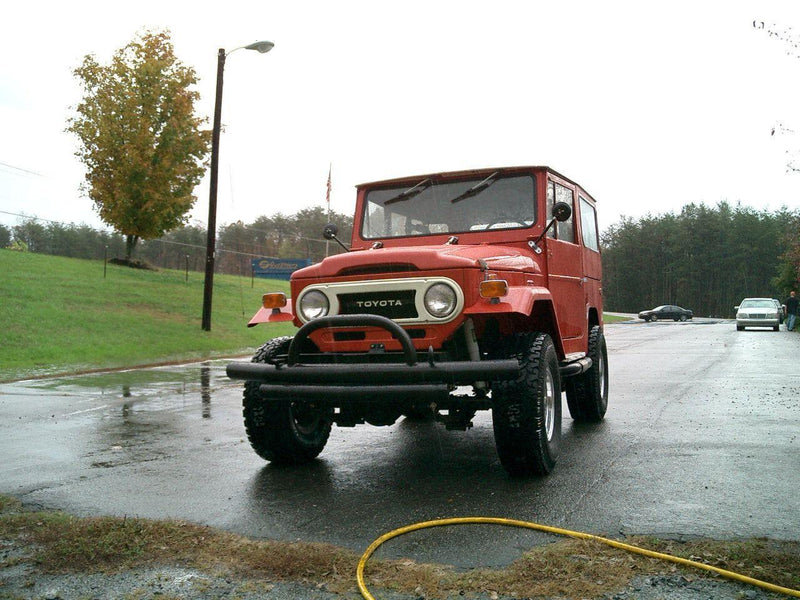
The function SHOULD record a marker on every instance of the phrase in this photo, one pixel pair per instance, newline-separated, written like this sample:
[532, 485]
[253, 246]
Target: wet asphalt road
[700, 439]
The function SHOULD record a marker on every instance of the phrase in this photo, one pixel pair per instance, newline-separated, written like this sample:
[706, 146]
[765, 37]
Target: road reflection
[205, 389]
[154, 405]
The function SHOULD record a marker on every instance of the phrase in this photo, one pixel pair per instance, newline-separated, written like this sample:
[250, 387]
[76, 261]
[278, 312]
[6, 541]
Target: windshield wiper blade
[476, 189]
[410, 192]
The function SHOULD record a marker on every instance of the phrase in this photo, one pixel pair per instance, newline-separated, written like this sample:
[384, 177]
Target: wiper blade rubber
[476, 189]
[410, 192]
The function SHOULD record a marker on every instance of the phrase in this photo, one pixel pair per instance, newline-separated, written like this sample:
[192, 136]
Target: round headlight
[312, 305]
[440, 300]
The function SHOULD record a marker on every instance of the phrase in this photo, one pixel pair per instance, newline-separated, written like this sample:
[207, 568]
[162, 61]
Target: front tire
[283, 431]
[587, 393]
[526, 412]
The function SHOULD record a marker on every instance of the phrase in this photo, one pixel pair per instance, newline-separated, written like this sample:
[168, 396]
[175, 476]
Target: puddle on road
[131, 425]
[135, 378]
[152, 389]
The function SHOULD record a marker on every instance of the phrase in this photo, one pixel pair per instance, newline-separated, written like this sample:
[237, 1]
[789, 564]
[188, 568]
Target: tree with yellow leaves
[140, 139]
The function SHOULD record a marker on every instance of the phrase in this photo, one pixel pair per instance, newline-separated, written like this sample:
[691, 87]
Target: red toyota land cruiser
[461, 291]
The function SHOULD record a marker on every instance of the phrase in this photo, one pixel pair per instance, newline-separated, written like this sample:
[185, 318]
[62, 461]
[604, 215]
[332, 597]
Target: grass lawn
[614, 319]
[58, 543]
[62, 315]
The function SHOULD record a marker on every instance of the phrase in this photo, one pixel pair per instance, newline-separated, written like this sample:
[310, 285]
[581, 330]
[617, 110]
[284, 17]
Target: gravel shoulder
[21, 579]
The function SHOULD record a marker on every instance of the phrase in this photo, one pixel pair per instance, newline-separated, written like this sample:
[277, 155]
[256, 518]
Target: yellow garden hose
[546, 528]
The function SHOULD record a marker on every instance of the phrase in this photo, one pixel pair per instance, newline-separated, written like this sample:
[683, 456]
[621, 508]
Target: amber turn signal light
[274, 300]
[494, 288]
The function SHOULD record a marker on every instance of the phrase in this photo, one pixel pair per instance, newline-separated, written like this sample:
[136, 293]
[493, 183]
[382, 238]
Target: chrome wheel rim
[601, 373]
[549, 406]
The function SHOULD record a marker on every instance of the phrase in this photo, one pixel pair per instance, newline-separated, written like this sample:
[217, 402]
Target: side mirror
[561, 211]
[329, 231]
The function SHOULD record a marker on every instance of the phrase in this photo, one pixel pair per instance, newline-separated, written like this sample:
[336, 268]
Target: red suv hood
[419, 258]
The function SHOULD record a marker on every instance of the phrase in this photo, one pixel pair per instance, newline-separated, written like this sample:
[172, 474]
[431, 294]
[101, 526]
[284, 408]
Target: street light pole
[208, 285]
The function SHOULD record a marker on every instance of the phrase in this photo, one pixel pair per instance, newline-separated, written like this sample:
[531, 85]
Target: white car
[757, 312]
[781, 308]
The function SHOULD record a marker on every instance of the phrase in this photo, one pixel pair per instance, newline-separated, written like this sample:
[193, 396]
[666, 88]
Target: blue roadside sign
[278, 268]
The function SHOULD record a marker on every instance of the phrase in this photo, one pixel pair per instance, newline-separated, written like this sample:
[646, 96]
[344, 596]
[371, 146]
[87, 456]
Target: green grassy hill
[61, 315]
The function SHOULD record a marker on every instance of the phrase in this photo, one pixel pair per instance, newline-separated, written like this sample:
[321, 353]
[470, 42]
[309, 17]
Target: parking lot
[700, 439]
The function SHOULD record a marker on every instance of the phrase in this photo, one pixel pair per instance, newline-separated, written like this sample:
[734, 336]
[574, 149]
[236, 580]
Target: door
[565, 268]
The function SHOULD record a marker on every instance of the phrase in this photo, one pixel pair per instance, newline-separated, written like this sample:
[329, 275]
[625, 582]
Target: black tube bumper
[380, 379]
[360, 379]
[453, 373]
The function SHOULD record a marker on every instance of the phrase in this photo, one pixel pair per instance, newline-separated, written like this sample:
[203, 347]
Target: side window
[558, 193]
[589, 225]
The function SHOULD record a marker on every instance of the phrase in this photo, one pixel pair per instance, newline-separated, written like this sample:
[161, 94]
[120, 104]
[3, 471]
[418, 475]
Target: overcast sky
[649, 106]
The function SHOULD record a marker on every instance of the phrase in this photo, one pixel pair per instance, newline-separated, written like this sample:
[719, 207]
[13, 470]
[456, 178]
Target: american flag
[328, 192]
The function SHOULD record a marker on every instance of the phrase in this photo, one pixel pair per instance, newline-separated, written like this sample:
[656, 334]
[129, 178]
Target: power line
[32, 218]
[3, 164]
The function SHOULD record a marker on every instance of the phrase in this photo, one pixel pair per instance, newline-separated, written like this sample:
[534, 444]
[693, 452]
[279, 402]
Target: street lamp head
[263, 47]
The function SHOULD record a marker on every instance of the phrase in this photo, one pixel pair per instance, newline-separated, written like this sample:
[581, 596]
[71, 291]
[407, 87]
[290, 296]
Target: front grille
[393, 305]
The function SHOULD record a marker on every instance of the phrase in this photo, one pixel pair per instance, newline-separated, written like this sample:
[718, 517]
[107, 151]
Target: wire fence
[236, 245]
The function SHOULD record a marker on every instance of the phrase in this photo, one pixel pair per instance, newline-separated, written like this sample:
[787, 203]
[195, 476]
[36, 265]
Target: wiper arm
[410, 192]
[476, 189]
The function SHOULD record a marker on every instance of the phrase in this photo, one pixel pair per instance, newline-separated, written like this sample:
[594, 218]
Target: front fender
[519, 300]
[272, 315]
[533, 304]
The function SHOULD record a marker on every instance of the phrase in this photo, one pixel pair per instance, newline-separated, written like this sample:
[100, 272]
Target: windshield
[453, 207]
[757, 304]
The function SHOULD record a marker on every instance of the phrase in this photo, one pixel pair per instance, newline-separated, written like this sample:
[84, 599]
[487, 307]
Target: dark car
[667, 311]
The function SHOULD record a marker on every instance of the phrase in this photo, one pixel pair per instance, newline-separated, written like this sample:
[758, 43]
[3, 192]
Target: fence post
[187, 268]
[105, 261]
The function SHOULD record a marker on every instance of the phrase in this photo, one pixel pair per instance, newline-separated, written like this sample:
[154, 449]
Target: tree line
[705, 258]
[279, 236]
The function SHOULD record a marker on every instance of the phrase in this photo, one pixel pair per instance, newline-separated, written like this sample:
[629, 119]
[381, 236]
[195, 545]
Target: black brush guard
[335, 381]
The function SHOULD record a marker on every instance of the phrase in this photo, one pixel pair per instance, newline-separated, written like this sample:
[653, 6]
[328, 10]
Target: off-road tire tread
[523, 448]
[584, 393]
[269, 423]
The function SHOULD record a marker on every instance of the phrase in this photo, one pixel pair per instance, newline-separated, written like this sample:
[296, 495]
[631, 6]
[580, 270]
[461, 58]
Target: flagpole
[328, 200]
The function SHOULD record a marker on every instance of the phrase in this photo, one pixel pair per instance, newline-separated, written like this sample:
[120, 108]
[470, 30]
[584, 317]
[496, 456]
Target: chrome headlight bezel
[440, 300]
[313, 305]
